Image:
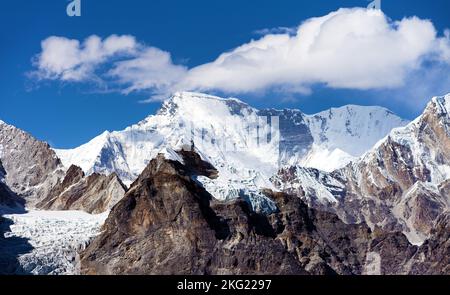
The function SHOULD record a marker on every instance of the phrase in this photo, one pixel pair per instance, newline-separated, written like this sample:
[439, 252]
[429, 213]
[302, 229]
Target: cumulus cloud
[150, 69]
[348, 48]
[69, 60]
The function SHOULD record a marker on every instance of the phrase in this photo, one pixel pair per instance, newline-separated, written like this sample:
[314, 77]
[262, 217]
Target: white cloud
[150, 69]
[69, 60]
[129, 64]
[444, 47]
[348, 48]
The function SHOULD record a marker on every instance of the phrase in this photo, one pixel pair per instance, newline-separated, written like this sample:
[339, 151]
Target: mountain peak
[353, 129]
[443, 103]
[186, 95]
[352, 109]
[188, 102]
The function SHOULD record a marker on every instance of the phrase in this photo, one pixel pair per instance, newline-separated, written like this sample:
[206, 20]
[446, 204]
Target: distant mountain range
[220, 129]
[233, 178]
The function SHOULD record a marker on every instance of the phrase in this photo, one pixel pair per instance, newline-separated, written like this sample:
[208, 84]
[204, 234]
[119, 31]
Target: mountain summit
[224, 131]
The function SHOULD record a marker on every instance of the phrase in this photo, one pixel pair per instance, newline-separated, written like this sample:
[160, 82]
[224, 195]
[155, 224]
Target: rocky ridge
[401, 184]
[94, 194]
[32, 166]
[32, 171]
[168, 224]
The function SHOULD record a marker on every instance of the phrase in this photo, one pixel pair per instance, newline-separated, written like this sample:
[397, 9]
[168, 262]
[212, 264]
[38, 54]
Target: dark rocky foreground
[168, 224]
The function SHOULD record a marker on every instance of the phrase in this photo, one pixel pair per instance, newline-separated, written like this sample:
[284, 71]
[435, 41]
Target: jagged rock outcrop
[393, 254]
[165, 225]
[168, 224]
[32, 166]
[94, 194]
[404, 172]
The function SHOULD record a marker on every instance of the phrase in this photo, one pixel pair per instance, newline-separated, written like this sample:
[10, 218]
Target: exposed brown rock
[394, 250]
[433, 257]
[322, 242]
[32, 166]
[165, 225]
[94, 194]
[396, 186]
[168, 224]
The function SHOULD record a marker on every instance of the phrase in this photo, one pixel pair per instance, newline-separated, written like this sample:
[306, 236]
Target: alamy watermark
[255, 133]
[74, 8]
[375, 5]
[261, 132]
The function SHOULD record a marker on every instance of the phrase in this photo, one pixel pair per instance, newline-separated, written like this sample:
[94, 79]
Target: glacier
[54, 238]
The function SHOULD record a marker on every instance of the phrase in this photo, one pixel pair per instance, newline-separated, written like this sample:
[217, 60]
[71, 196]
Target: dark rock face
[94, 194]
[433, 257]
[399, 257]
[165, 225]
[321, 241]
[394, 252]
[295, 135]
[168, 224]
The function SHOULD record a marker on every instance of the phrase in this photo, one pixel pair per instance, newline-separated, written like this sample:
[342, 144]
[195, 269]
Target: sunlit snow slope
[225, 133]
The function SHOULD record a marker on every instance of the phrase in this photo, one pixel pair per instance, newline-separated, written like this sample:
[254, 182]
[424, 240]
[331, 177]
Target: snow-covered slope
[344, 134]
[246, 145]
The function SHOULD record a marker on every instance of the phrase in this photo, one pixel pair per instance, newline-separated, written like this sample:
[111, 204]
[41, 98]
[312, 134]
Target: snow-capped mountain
[246, 145]
[402, 183]
[343, 134]
[410, 170]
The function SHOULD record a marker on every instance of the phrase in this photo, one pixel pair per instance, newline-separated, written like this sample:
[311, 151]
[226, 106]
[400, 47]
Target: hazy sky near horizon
[66, 80]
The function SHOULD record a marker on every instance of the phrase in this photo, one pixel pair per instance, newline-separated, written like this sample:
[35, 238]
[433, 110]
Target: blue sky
[67, 114]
